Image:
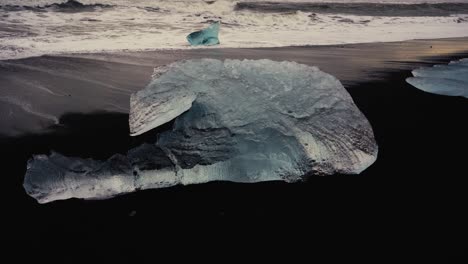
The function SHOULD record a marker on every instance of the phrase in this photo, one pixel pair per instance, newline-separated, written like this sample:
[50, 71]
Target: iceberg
[207, 36]
[451, 79]
[241, 121]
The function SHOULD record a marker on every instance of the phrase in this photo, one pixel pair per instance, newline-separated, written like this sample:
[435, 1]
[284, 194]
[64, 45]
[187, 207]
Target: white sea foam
[35, 85]
[129, 26]
[27, 107]
[201, 2]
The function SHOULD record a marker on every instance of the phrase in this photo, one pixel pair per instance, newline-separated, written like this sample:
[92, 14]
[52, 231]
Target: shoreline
[40, 90]
[192, 48]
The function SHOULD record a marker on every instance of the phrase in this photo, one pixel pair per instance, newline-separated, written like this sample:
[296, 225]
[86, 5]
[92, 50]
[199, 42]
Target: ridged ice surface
[240, 121]
[451, 79]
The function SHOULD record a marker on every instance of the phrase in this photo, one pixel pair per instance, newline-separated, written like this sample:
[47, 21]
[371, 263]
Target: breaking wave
[368, 9]
[69, 6]
[36, 27]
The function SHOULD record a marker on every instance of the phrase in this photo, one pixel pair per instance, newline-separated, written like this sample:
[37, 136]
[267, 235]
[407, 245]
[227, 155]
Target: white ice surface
[451, 79]
[249, 121]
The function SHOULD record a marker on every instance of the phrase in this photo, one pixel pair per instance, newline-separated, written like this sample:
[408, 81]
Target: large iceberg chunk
[451, 79]
[207, 36]
[241, 121]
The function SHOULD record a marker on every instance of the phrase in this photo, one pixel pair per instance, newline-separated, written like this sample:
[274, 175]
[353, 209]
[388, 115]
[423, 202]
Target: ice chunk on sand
[241, 121]
[207, 36]
[451, 79]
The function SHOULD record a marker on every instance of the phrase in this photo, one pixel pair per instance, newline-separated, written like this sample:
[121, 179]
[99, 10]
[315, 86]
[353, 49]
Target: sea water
[37, 27]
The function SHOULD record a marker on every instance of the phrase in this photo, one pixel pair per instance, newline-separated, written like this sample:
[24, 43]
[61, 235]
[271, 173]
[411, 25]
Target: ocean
[37, 27]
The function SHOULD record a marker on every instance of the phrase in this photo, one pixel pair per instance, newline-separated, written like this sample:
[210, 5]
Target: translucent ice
[207, 36]
[451, 79]
[240, 121]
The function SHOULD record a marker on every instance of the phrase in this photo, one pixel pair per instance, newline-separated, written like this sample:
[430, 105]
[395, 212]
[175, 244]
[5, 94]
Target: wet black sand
[412, 200]
[35, 92]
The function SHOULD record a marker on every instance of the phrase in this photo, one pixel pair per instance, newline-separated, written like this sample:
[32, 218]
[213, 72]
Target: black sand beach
[414, 194]
[37, 91]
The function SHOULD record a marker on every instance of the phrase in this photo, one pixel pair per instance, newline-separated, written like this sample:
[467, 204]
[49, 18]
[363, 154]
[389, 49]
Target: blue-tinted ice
[207, 36]
[240, 121]
[451, 79]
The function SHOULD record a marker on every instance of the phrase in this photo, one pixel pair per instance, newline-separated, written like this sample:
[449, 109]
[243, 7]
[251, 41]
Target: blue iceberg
[451, 79]
[207, 36]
